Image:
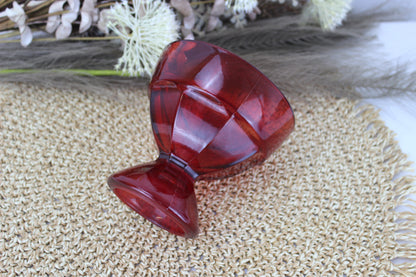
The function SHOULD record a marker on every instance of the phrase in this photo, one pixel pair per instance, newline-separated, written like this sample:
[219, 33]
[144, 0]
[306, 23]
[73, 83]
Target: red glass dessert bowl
[213, 115]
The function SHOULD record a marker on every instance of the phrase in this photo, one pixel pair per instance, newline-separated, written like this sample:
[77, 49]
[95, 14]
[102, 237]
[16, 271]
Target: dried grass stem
[49, 39]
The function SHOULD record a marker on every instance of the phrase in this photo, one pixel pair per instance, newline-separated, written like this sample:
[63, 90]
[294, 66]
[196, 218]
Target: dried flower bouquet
[145, 27]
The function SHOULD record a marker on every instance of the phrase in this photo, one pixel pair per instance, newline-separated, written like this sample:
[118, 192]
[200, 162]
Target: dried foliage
[294, 55]
[135, 25]
[137, 31]
[144, 27]
[63, 19]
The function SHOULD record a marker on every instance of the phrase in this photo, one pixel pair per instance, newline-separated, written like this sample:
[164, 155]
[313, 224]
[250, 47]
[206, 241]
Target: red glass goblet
[213, 115]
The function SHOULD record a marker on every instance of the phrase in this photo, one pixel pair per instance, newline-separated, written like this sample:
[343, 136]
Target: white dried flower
[328, 13]
[18, 16]
[54, 20]
[202, 14]
[103, 21]
[89, 15]
[34, 3]
[65, 29]
[239, 20]
[145, 29]
[214, 17]
[294, 3]
[253, 14]
[241, 6]
[185, 9]
[62, 24]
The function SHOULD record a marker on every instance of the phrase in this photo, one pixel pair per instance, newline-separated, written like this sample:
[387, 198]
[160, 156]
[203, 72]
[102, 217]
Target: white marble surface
[398, 45]
[397, 42]
[399, 112]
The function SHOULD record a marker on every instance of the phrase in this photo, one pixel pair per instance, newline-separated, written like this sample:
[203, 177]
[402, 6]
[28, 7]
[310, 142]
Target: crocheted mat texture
[325, 204]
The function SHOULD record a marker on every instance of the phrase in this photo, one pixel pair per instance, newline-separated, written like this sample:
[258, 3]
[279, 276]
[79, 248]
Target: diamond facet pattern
[213, 115]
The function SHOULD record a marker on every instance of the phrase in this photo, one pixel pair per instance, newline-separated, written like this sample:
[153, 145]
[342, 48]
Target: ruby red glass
[213, 115]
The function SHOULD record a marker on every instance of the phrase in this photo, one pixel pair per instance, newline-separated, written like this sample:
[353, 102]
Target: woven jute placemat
[323, 205]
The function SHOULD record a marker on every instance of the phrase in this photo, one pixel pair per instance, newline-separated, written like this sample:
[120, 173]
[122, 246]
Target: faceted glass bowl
[213, 115]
